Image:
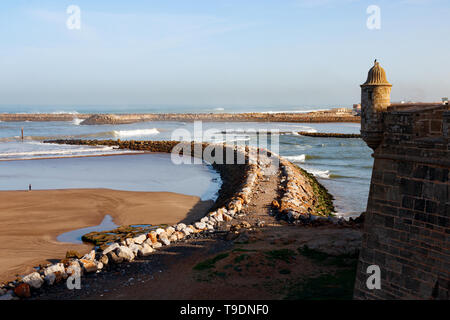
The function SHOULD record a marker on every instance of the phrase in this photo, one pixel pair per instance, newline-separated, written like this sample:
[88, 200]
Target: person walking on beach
[29, 187]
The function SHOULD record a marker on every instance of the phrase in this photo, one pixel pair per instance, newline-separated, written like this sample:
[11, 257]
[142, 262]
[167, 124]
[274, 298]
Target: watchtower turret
[375, 98]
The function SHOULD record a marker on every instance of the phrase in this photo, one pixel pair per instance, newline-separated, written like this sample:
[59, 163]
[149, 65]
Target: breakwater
[329, 135]
[40, 117]
[93, 119]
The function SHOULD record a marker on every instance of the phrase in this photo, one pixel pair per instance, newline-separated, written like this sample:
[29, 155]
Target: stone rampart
[407, 224]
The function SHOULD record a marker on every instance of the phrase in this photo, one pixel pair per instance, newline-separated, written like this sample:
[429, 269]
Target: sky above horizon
[220, 53]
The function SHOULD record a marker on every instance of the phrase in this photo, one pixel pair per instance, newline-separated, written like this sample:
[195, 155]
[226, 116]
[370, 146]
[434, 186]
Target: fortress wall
[407, 226]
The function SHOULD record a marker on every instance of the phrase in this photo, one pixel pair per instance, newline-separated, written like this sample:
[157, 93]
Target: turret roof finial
[377, 75]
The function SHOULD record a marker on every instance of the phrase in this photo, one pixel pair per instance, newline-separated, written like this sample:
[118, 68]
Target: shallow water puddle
[75, 235]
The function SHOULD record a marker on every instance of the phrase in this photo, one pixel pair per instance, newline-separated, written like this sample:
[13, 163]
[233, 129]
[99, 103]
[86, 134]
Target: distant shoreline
[325, 116]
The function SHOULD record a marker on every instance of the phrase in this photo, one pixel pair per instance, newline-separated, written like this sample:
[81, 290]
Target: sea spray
[138, 132]
[77, 121]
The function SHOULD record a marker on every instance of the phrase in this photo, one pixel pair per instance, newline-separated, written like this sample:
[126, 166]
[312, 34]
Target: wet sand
[31, 221]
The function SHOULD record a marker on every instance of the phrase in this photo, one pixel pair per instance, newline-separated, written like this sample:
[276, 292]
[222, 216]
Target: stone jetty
[302, 200]
[94, 119]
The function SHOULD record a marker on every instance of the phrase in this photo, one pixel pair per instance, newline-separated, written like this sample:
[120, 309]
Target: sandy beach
[31, 221]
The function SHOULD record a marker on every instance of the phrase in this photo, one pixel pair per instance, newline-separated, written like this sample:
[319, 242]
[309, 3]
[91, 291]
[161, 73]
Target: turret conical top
[376, 76]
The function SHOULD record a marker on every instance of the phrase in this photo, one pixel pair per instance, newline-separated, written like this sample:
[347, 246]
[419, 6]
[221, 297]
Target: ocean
[343, 166]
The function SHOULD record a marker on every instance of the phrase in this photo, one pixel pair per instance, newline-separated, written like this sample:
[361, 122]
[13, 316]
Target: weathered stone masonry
[407, 226]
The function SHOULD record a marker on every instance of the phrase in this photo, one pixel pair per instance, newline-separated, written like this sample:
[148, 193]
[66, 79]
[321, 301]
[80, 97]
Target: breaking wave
[132, 133]
[324, 174]
[299, 158]
[57, 152]
[77, 121]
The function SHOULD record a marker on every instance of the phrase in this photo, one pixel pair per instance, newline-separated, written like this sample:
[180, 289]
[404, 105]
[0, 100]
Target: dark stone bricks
[421, 172]
[407, 202]
[431, 207]
[411, 187]
[389, 222]
[405, 168]
[419, 205]
[389, 178]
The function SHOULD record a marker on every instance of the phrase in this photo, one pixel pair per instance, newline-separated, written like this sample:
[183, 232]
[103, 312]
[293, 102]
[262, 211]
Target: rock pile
[303, 198]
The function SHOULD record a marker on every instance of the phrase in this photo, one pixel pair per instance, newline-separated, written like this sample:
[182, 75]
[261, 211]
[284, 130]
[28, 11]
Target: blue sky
[220, 52]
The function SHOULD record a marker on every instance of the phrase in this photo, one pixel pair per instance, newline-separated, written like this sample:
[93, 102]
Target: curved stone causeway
[302, 200]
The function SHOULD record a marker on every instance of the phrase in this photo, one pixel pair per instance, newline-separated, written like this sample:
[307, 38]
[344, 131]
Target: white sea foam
[55, 152]
[64, 112]
[324, 174]
[54, 112]
[293, 111]
[310, 130]
[229, 140]
[138, 132]
[77, 121]
[299, 158]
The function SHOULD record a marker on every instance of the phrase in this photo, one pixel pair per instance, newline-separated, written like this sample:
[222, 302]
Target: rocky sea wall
[299, 203]
[39, 117]
[93, 119]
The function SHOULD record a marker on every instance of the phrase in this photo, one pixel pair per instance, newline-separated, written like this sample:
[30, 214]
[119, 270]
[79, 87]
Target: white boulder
[89, 256]
[164, 239]
[112, 247]
[170, 231]
[145, 250]
[204, 219]
[33, 280]
[140, 239]
[53, 272]
[181, 227]
[200, 225]
[74, 268]
[156, 245]
[125, 253]
[135, 248]
[217, 216]
[89, 265]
